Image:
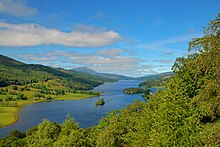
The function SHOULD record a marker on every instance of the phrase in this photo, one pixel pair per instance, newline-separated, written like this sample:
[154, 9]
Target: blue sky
[129, 37]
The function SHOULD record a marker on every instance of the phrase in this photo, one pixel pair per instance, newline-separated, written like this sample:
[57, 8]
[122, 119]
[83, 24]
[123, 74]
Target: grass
[8, 115]
[73, 96]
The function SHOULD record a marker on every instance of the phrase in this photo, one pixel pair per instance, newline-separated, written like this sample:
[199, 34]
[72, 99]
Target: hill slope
[105, 75]
[157, 76]
[15, 72]
[9, 61]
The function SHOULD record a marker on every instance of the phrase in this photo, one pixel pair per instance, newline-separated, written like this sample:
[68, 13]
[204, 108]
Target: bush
[14, 88]
[9, 98]
[17, 134]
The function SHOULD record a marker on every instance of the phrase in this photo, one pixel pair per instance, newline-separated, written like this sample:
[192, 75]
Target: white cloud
[36, 57]
[85, 28]
[110, 52]
[34, 34]
[90, 59]
[16, 7]
[146, 72]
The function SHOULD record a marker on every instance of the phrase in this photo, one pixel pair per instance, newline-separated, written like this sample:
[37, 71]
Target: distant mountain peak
[85, 70]
[105, 75]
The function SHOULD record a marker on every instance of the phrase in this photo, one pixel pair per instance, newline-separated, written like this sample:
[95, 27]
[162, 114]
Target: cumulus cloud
[99, 60]
[16, 7]
[110, 52]
[34, 34]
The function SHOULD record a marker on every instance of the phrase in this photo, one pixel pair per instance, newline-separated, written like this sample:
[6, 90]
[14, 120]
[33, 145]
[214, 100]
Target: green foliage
[153, 83]
[14, 88]
[15, 139]
[133, 90]
[8, 104]
[209, 135]
[17, 134]
[147, 94]
[46, 133]
[21, 97]
[100, 102]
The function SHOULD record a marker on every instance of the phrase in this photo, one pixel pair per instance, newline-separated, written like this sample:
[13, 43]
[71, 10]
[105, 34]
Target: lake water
[83, 111]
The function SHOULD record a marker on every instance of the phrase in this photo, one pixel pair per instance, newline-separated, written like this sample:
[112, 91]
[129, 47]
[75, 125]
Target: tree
[21, 96]
[47, 133]
[14, 88]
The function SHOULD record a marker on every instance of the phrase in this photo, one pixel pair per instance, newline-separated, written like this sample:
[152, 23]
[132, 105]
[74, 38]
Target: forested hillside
[18, 73]
[156, 76]
[187, 113]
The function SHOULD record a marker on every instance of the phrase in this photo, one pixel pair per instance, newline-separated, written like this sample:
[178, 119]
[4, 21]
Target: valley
[109, 74]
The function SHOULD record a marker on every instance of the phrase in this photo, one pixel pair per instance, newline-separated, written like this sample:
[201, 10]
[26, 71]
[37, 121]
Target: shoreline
[15, 114]
[16, 118]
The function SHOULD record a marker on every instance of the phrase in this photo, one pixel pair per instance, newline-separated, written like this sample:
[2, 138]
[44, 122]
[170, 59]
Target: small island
[100, 102]
[133, 90]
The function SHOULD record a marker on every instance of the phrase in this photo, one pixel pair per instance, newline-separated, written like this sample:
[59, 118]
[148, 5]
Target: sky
[129, 37]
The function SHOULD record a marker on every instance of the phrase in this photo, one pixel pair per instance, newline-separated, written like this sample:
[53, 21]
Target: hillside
[9, 61]
[105, 75]
[85, 70]
[15, 72]
[157, 76]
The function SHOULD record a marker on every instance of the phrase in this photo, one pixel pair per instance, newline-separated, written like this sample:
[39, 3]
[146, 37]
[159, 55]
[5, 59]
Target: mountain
[85, 70]
[16, 72]
[157, 76]
[105, 75]
[9, 61]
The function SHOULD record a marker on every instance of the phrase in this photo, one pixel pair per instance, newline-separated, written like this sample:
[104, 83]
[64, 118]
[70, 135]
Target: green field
[73, 96]
[8, 115]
